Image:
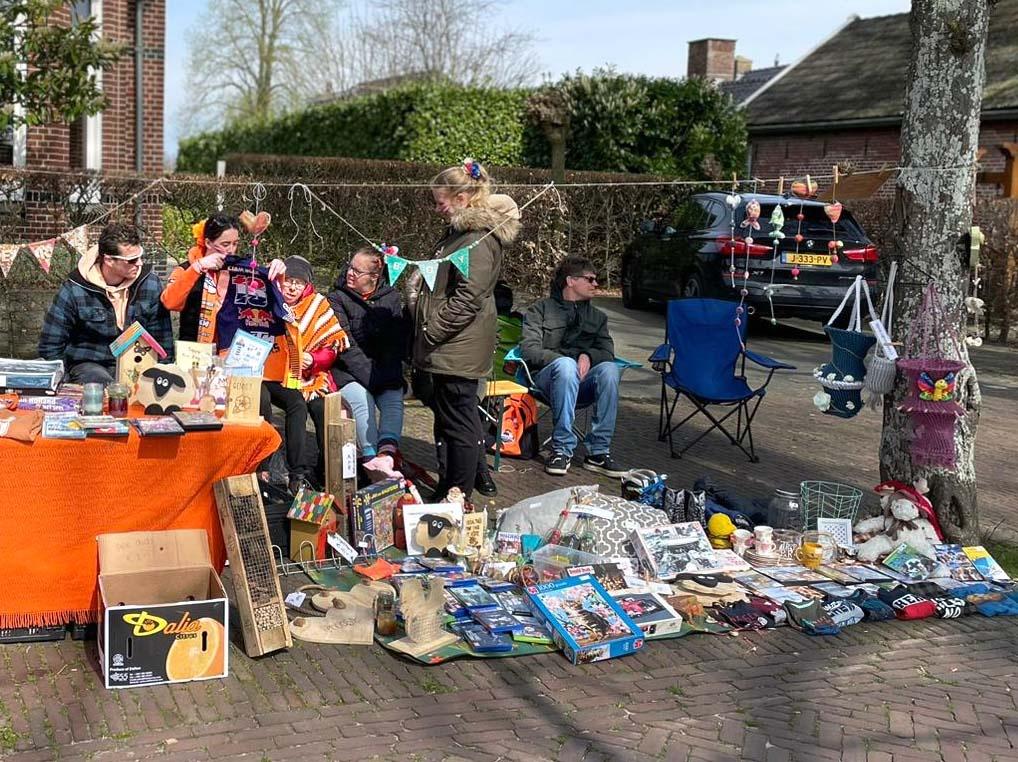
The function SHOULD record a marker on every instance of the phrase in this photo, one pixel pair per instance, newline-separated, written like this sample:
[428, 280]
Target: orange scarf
[318, 329]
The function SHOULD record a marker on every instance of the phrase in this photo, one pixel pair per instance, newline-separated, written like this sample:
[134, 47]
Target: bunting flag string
[8, 251]
[43, 252]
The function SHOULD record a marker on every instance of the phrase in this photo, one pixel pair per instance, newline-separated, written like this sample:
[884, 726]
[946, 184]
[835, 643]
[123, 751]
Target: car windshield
[816, 224]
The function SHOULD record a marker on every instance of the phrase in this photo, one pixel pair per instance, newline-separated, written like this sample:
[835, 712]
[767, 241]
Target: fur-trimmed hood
[498, 214]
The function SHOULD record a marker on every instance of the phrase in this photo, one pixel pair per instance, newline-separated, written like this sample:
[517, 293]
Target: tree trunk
[933, 210]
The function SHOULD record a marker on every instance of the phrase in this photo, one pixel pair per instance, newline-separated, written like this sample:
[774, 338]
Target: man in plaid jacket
[107, 292]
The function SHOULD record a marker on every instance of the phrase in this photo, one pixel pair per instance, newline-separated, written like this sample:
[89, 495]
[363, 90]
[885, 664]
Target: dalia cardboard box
[163, 612]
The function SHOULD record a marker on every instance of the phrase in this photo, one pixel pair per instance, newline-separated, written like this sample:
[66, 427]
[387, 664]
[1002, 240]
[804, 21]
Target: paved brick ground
[891, 692]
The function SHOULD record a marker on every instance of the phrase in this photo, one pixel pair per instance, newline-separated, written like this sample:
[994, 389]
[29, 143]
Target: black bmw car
[690, 252]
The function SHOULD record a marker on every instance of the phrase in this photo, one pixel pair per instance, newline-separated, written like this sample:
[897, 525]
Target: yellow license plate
[822, 260]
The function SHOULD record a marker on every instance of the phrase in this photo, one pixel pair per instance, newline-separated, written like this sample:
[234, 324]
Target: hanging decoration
[777, 223]
[802, 190]
[974, 306]
[8, 252]
[461, 260]
[843, 377]
[43, 252]
[932, 383]
[77, 239]
[883, 365]
[429, 270]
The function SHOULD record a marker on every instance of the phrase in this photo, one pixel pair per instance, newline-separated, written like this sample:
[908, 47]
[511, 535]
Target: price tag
[295, 600]
[349, 460]
[341, 546]
[884, 339]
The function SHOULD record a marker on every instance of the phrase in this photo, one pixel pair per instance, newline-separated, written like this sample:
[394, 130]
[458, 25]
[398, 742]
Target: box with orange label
[163, 612]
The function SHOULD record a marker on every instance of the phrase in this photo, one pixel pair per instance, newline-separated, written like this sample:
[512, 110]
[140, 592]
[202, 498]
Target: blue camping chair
[516, 366]
[702, 347]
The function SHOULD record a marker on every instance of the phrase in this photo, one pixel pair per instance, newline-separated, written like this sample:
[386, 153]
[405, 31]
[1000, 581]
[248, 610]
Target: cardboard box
[163, 612]
[374, 509]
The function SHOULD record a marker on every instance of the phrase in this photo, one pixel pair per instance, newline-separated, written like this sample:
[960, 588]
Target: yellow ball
[720, 525]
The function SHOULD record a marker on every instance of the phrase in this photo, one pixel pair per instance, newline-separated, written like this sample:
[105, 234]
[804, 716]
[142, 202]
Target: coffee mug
[742, 540]
[764, 548]
[810, 554]
[763, 533]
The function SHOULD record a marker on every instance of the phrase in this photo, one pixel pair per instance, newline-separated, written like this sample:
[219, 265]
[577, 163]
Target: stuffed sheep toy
[906, 516]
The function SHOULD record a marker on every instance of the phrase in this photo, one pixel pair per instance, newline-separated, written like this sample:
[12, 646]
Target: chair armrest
[662, 354]
[625, 364]
[766, 362]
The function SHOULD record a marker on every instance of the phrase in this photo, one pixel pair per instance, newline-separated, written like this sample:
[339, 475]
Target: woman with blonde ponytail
[456, 320]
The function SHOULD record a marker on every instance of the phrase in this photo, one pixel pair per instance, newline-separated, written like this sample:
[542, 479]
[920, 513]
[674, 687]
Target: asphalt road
[803, 344]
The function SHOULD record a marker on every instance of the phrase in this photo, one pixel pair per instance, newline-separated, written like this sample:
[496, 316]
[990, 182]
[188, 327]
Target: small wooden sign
[243, 399]
[340, 445]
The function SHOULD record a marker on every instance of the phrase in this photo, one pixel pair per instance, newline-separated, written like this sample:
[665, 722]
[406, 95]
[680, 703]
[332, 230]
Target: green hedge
[421, 122]
[618, 123]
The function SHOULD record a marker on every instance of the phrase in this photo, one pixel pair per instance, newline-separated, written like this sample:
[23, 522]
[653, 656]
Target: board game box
[586, 623]
[651, 613]
[374, 509]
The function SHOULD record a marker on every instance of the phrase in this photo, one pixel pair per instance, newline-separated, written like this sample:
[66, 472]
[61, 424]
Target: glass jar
[385, 614]
[118, 395]
[92, 398]
[785, 510]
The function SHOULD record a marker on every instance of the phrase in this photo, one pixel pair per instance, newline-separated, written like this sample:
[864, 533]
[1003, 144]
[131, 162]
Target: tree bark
[933, 210]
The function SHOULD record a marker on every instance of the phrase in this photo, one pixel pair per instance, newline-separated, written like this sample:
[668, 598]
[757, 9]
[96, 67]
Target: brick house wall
[795, 154]
[62, 147]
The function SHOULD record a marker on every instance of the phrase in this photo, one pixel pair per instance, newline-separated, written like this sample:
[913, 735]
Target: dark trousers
[295, 408]
[316, 409]
[459, 439]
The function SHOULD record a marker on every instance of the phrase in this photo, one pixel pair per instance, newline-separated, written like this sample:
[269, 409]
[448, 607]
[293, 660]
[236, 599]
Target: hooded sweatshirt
[91, 271]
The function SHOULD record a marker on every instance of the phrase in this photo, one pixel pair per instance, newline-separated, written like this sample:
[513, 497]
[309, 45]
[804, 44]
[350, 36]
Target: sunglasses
[129, 260]
[589, 278]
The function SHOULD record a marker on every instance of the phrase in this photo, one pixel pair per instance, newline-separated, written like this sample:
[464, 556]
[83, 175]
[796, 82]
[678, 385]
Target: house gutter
[850, 124]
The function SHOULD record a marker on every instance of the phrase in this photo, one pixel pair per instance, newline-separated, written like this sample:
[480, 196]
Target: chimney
[742, 65]
[712, 59]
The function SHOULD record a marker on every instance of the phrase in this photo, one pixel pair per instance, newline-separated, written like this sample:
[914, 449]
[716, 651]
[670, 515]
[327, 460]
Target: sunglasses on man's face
[591, 279]
[130, 260]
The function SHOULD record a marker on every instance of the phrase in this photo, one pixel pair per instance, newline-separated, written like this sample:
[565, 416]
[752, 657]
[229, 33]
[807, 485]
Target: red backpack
[519, 427]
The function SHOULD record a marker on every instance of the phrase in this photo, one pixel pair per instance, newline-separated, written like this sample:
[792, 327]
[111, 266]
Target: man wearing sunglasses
[108, 290]
[571, 357]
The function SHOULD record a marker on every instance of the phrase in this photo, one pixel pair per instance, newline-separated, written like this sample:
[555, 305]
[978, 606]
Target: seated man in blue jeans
[571, 358]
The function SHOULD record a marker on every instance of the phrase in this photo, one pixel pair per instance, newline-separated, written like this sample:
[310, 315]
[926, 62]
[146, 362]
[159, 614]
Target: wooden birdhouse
[135, 352]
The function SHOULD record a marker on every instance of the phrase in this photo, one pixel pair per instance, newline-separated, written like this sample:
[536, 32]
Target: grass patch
[433, 686]
[8, 738]
[676, 690]
[1005, 555]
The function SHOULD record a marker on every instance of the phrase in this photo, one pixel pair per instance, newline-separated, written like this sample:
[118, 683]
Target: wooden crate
[255, 582]
[339, 431]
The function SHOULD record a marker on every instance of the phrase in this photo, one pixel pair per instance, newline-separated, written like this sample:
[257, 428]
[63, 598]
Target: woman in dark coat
[369, 374]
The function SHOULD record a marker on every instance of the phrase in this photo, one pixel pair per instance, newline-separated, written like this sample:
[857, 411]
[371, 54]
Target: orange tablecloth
[57, 495]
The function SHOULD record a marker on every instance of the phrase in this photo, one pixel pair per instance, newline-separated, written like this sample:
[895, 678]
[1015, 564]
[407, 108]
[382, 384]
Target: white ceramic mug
[763, 534]
[742, 540]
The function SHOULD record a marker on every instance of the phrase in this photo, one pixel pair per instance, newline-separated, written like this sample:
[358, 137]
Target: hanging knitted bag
[932, 379]
[842, 378]
[882, 367]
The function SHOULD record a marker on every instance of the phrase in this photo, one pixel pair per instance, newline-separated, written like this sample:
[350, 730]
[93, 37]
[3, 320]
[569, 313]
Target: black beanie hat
[298, 267]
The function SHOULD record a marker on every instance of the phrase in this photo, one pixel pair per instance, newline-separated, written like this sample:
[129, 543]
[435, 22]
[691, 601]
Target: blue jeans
[389, 425]
[560, 384]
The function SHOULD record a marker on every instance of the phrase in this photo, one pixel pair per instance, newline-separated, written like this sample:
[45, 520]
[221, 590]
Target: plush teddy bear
[903, 518]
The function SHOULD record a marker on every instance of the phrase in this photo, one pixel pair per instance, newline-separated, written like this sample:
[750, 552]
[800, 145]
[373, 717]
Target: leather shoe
[485, 485]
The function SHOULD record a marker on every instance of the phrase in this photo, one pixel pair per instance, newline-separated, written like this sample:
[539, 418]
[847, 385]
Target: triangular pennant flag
[77, 239]
[461, 259]
[43, 251]
[429, 269]
[8, 251]
[396, 267]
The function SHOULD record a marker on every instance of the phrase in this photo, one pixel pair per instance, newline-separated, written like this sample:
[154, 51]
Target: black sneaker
[603, 464]
[557, 463]
[484, 484]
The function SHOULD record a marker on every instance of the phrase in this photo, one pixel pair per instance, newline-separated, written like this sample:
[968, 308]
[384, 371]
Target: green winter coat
[455, 328]
[554, 328]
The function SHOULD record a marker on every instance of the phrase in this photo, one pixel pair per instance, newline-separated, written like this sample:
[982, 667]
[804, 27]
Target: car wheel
[693, 287]
[631, 297]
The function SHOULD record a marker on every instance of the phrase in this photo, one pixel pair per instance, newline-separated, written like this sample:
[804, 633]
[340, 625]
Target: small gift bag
[842, 378]
[932, 377]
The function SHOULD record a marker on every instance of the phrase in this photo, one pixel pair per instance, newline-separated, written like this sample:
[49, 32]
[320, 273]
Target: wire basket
[828, 500]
